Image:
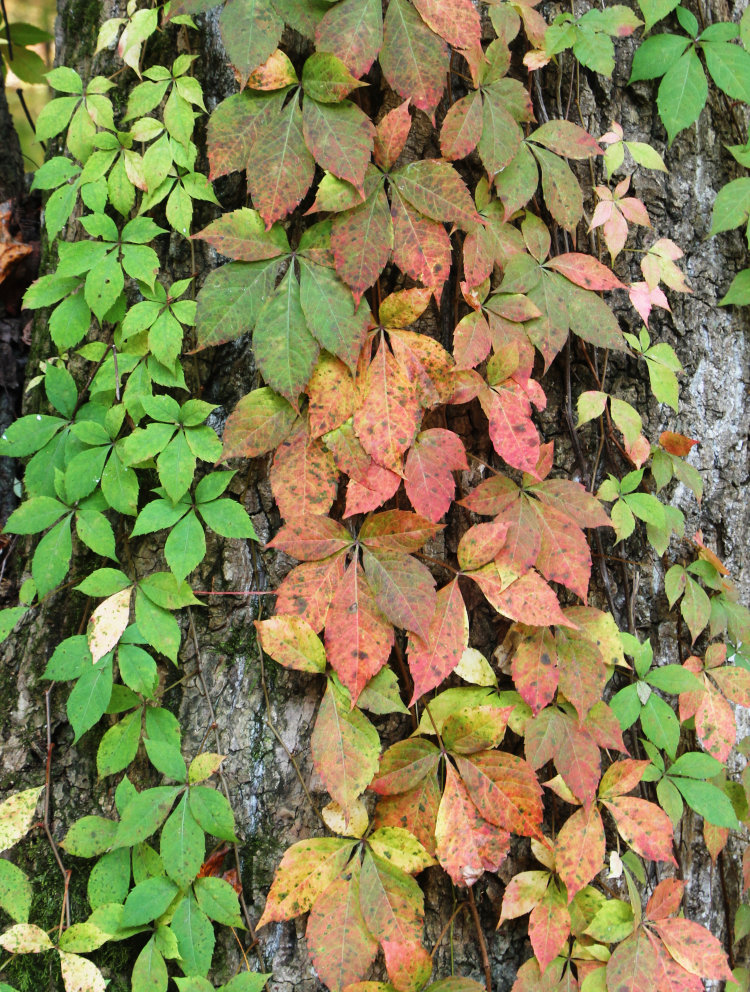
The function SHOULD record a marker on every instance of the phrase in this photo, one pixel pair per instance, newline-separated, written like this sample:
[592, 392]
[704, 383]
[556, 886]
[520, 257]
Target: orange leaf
[549, 926]
[416, 810]
[505, 790]
[306, 870]
[676, 444]
[303, 476]
[585, 271]
[409, 965]
[331, 394]
[433, 660]
[643, 825]
[715, 725]
[693, 947]
[579, 849]
[428, 474]
[665, 900]
[633, 964]
[308, 589]
[311, 538]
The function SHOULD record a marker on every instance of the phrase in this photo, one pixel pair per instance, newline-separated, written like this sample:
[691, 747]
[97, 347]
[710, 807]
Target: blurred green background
[32, 24]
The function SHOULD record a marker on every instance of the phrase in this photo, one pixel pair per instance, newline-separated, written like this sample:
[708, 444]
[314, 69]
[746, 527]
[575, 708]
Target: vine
[357, 268]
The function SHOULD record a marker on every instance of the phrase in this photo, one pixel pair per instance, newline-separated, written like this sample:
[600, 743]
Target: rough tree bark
[264, 717]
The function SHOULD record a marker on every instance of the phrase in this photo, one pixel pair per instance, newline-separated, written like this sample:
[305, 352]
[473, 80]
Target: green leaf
[176, 466]
[89, 698]
[161, 725]
[96, 532]
[688, 21]
[330, 312]
[195, 937]
[148, 901]
[137, 669]
[246, 981]
[251, 31]
[739, 292]
[212, 812]
[696, 764]
[109, 880]
[731, 206]
[104, 582]
[708, 801]
[674, 679]
[90, 836]
[729, 66]
[55, 116]
[655, 10]
[15, 892]
[340, 136]
[119, 485]
[414, 59]
[682, 94]
[167, 759]
[219, 901]
[149, 971]
[182, 845]
[185, 547]
[227, 518]
[144, 814]
[159, 514]
[60, 389]
[69, 659]
[9, 617]
[660, 724]
[657, 55]
[119, 745]
[34, 515]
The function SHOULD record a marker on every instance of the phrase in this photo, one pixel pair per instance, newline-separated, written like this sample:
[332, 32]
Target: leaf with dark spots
[352, 30]
[549, 926]
[358, 638]
[232, 129]
[310, 537]
[462, 127]
[583, 674]
[421, 247]
[306, 870]
[251, 31]
[404, 765]
[280, 168]
[345, 747]
[566, 138]
[392, 902]
[580, 847]
[242, 234]
[481, 544]
[459, 833]
[415, 810]
[331, 395]
[435, 189]
[428, 474]
[534, 669]
[585, 271]
[414, 59]
[512, 431]
[390, 136]
[308, 589]
[457, 21]
[340, 137]
[340, 944]
[505, 790]
[259, 423]
[564, 554]
[397, 530]
[404, 590]
[362, 240]
[303, 476]
[644, 826]
[431, 661]
[572, 499]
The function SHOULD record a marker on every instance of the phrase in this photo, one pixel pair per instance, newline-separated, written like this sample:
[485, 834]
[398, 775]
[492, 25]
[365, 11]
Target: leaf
[462, 127]
[144, 814]
[534, 669]
[585, 271]
[148, 901]
[583, 675]
[242, 234]
[340, 136]
[195, 937]
[280, 168]
[715, 725]
[562, 193]
[512, 431]
[528, 599]
[414, 59]
[404, 765]
[401, 848]
[308, 589]
[566, 138]
[404, 590]
[303, 476]
[564, 554]
[333, 320]
[17, 815]
[89, 698]
[231, 299]
[729, 66]
[693, 947]
[259, 423]
[107, 623]
[459, 845]
[311, 537]
[682, 94]
[345, 747]
[358, 637]
[505, 790]
[285, 350]
[579, 849]
[25, 938]
[306, 870]
[80, 975]
[390, 136]
[421, 247]
[457, 21]
[644, 826]
[182, 845]
[251, 31]
[387, 414]
[212, 812]
[431, 661]
[392, 903]
[352, 30]
[15, 892]
[435, 189]
[524, 891]
[632, 965]
[341, 946]
[500, 138]
[219, 901]
[396, 530]
[666, 899]
[150, 971]
[292, 642]
[362, 240]
[549, 926]
[331, 395]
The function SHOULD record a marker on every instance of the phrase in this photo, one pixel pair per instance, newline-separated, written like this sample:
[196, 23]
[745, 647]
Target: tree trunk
[264, 714]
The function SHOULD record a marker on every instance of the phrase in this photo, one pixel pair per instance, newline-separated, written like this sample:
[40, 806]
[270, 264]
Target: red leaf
[390, 136]
[534, 669]
[463, 837]
[493, 496]
[643, 825]
[421, 247]
[416, 810]
[303, 476]
[306, 870]
[259, 423]
[428, 478]
[341, 947]
[340, 136]
[528, 599]
[352, 30]
[397, 530]
[310, 538]
[392, 902]
[578, 760]
[432, 661]
[404, 765]
[280, 169]
[665, 900]
[414, 59]
[633, 964]
[512, 431]
[505, 790]
[331, 394]
[621, 777]
[580, 847]
[404, 590]
[409, 965]
[387, 416]
[457, 21]
[370, 485]
[564, 554]
[308, 589]
[471, 337]
[583, 673]
[693, 947]
[715, 725]
[670, 976]
[572, 499]
[676, 444]
[358, 638]
[362, 240]
[462, 127]
[549, 926]
[604, 727]
[481, 544]
[344, 746]
[585, 271]
[566, 138]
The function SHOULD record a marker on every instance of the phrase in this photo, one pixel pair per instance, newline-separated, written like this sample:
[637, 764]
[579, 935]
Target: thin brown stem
[448, 925]
[65, 912]
[482, 941]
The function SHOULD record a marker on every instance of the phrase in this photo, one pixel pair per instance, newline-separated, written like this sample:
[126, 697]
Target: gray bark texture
[220, 670]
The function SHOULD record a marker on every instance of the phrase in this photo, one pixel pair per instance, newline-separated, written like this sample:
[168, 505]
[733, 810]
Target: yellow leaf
[107, 623]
